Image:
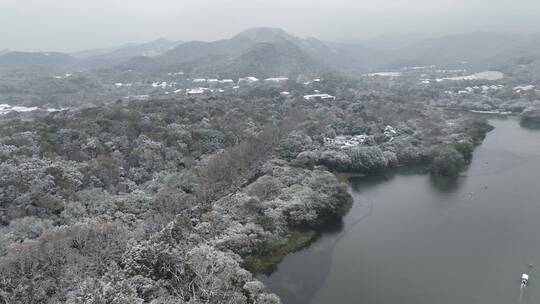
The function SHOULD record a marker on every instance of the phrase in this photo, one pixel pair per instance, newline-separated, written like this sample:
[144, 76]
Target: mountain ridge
[301, 55]
[48, 59]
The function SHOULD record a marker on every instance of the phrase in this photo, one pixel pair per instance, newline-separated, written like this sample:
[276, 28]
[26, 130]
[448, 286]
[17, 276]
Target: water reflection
[299, 277]
[357, 183]
[445, 184]
[332, 228]
[528, 124]
[311, 267]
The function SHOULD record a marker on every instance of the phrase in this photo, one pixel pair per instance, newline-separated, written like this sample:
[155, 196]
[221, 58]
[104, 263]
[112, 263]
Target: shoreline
[302, 237]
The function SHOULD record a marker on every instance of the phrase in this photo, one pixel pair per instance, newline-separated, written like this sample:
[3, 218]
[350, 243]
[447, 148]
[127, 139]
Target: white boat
[525, 279]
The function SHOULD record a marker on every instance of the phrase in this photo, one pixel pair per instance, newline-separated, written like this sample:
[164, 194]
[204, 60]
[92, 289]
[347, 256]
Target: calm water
[412, 239]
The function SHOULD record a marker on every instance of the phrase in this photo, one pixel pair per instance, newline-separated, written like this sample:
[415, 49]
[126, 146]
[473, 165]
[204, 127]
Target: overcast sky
[67, 25]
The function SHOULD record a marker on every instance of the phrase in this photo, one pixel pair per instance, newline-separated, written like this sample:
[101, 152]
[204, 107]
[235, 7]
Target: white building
[249, 79]
[276, 79]
[285, 94]
[196, 91]
[63, 76]
[343, 142]
[319, 97]
[5, 108]
[525, 88]
[162, 85]
[385, 74]
[390, 131]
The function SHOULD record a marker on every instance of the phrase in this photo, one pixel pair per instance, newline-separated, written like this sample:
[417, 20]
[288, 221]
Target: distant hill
[265, 34]
[264, 60]
[114, 56]
[197, 50]
[393, 42]
[268, 52]
[525, 53]
[447, 51]
[95, 52]
[150, 49]
[355, 58]
[260, 52]
[2, 52]
[28, 59]
[455, 50]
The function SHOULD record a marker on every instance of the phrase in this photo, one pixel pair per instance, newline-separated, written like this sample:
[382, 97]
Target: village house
[285, 94]
[248, 80]
[276, 79]
[196, 91]
[319, 97]
[343, 142]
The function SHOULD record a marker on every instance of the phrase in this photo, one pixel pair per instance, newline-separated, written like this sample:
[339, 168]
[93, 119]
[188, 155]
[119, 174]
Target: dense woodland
[181, 200]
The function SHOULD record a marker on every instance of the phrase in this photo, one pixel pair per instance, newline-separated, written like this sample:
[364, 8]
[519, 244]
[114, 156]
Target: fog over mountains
[109, 23]
[266, 52]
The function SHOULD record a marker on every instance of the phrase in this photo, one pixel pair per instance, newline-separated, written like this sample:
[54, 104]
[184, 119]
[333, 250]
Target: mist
[61, 25]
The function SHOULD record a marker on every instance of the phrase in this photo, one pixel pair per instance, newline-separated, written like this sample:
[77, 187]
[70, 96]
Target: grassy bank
[261, 263]
[302, 236]
[344, 177]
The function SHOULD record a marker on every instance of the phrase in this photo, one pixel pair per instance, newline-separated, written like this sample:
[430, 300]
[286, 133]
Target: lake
[410, 238]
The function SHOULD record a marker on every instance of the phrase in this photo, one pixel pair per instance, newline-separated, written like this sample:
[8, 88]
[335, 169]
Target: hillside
[262, 52]
[197, 50]
[455, 50]
[26, 59]
[525, 53]
[115, 56]
[269, 52]
[150, 49]
[465, 50]
[263, 60]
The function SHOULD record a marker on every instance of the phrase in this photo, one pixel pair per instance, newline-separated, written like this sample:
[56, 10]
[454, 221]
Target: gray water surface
[410, 238]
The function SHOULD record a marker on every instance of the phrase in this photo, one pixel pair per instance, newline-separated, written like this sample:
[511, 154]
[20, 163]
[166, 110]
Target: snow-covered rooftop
[197, 91]
[385, 74]
[487, 75]
[524, 88]
[319, 96]
[248, 79]
[6, 108]
[162, 85]
[276, 79]
[343, 142]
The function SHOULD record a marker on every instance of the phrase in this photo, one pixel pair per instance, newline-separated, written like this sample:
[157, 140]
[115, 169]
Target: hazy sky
[68, 25]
